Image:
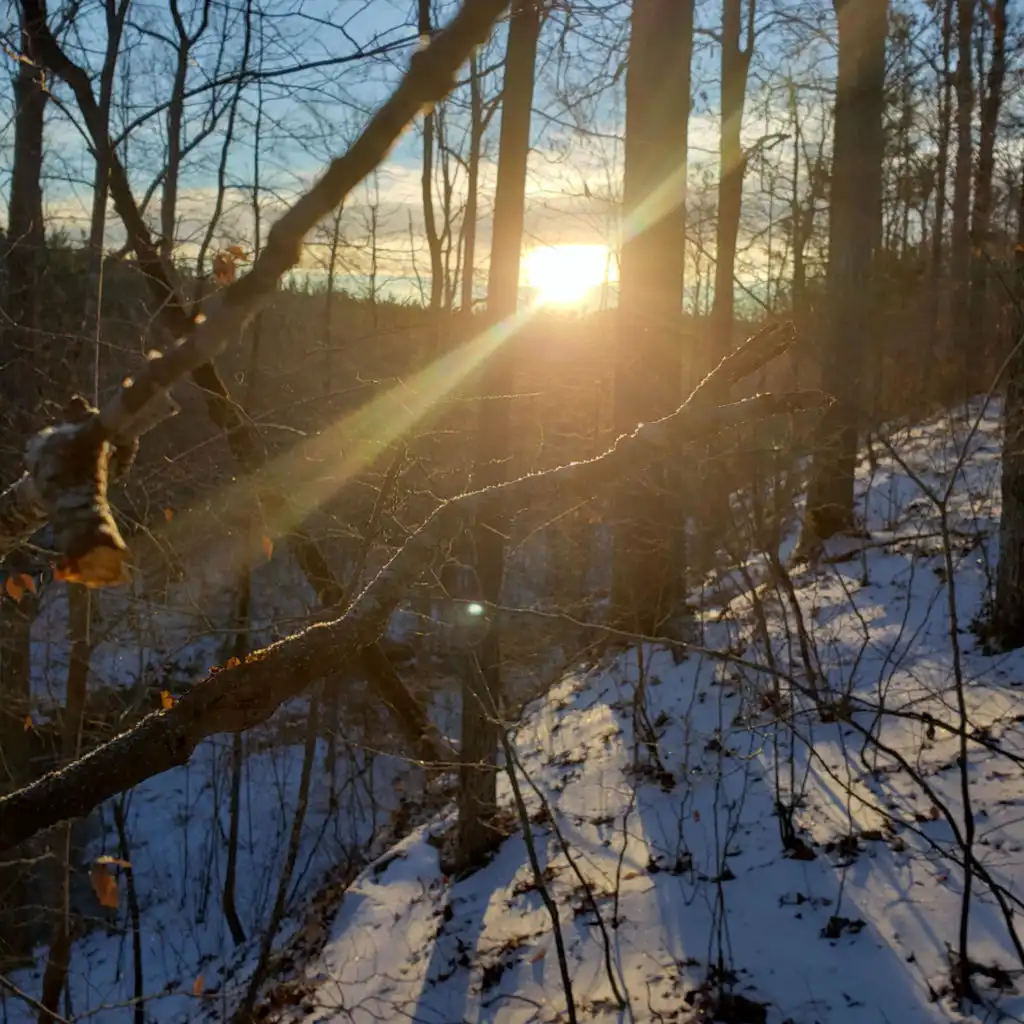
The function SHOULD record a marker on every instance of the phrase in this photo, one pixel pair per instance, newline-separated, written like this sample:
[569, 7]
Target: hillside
[766, 827]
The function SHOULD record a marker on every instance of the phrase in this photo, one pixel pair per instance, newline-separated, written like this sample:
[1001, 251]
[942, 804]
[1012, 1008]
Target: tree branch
[79, 451]
[238, 698]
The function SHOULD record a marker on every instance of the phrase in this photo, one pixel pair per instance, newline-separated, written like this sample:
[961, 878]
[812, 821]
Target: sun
[565, 275]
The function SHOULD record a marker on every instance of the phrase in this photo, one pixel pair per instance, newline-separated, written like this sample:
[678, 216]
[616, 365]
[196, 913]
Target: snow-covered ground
[657, 810]
[769, 830]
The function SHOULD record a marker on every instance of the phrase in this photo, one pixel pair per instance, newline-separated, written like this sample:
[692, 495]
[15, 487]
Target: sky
[575, 168]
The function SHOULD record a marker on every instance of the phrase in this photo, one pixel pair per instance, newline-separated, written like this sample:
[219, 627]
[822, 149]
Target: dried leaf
[168, 514]
[238, 252]
[116, 861]
[104, 885]
[101, 567]
[537, 957]
[28, 582]
[198, 986]
[224, 271]
[268, 547]
[166, 700]
[232, 662]
[14, 588]
[28, 722]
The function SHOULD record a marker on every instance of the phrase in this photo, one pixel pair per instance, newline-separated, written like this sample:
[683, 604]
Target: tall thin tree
[854, 234]
[647, 565]
[481, 693]
[736, 54]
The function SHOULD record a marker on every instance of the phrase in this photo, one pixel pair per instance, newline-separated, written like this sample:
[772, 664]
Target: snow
[687, 879]
[657, 794]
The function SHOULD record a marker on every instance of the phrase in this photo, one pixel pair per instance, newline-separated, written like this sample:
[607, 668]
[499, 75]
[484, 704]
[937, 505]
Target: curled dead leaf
[14, 589]
[224, 269]
[28, 722]
[104, 885]
[268, 547]
[166, 700]
[232, 662]
[198, 986]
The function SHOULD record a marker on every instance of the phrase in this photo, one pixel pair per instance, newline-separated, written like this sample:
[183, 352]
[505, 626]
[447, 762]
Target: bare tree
[736, 56]
[648, 375]
[855, 232]
[960, 243]
[481, 692]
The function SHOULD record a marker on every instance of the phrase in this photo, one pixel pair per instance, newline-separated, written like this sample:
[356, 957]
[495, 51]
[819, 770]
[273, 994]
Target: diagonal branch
[430, 77]
[238, 698]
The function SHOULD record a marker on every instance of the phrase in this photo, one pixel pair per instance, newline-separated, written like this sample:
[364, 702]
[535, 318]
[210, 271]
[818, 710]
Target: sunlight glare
[565, 274]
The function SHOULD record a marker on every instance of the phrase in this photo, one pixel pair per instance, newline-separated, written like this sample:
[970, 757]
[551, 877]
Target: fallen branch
[238, 698]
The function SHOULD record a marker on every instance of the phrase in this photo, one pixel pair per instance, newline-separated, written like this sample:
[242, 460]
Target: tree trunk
[481, 691]
[1008, 610]
[24, 260]
[59, 960]
[960, 256]
[940, 344]
[648, 555]
[476, 127]
[854, 234]
[427, 183]
[735, 65]
[981, 219]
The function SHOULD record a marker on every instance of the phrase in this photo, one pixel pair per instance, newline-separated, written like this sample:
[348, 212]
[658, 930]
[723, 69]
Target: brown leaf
[28, 582]
[537, 957]
[168, 514]
[104, 885]
[238, 252]
[28, 722]
[14, 588]
[166, 700]
[198, 986]
[101, 567]
[232, 662]
[268, 547]
[224, 270]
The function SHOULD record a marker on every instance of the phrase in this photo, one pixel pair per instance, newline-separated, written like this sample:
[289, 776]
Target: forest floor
[767, 827]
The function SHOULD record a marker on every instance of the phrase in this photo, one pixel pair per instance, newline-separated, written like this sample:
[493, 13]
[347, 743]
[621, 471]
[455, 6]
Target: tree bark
[854, 234]
[481, 688]
[648, 556]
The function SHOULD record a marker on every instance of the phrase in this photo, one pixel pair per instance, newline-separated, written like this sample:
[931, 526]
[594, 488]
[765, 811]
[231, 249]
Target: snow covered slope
[764, 832]
[771, 829]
